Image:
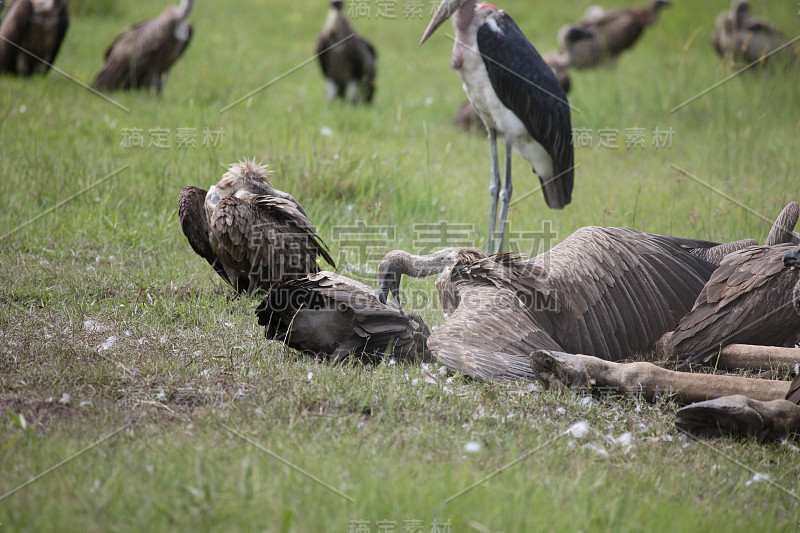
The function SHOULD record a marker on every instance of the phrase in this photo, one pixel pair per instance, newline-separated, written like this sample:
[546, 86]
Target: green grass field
[109, 321]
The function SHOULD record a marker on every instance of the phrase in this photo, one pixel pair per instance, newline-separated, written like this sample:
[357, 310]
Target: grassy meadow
[110, 323]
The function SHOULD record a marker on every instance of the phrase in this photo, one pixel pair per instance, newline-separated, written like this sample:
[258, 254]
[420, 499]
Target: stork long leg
[494, 188]
[505, 198]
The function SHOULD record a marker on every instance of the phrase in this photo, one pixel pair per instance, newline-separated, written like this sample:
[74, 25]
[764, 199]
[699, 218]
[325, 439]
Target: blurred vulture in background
[579, 48]
[141, 57]
[616, 31]
[329, 314]
[31, 34]
[251, 234]
[347, 60]
[742, 39]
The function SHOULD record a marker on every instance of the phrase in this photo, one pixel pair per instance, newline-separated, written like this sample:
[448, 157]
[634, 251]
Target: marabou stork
[31, 34]
[516, 95]
[140, 57]
[347, 60]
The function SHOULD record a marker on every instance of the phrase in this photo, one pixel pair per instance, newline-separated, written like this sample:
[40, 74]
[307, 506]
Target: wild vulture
[31, 34]
[619, 30]
[742, 39]
[347, 60]
[329, 314]
[607, 292]
[252, 234]
[140, 58]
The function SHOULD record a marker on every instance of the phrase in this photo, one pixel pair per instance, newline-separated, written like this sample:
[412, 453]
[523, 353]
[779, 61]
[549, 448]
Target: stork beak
[791, 258]
[444, 12]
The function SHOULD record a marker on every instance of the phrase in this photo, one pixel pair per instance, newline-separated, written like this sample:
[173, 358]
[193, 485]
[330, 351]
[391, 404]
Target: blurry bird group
[32, 32]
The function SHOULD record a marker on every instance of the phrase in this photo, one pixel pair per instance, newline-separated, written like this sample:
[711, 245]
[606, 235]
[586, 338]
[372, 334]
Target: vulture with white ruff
[31, 34]
[140, 58]
[252, 234]
[347, 60]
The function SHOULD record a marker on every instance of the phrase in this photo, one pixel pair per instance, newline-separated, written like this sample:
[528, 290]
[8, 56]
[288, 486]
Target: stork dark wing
[13, 29]
[194, 224]
[611, 292]
[527, 86]
[748, 299]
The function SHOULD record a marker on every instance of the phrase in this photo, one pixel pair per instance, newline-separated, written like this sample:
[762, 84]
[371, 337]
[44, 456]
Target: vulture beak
[444, 12]
[792, 258]
[389, 286]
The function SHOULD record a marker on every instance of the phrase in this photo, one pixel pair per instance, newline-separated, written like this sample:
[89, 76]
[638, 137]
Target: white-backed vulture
[140, 58]
[329, 314]
[748, 300]
[742, 39]
[618, 30]
[347, 60]
[31, 34]
[252, 234]
[608, 292]
[579, 48]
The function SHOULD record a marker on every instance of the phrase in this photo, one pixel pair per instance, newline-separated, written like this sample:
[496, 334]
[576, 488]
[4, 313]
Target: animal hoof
[721, 417]
[558, 370]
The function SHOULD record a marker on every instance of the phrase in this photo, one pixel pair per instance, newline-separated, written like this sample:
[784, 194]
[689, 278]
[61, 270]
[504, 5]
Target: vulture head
[245, 178]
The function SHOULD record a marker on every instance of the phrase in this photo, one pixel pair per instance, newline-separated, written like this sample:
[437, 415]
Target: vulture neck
[337, 25]
[418, 266]
[185, 8]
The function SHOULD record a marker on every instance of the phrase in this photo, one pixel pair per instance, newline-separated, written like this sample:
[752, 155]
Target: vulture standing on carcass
[31, 34]
[517, 96]
[253, 235]
[328, 314]
[347, 60]
[742, 39]
[747, 300]
[140, 58]
[607, 292]
[619, 30]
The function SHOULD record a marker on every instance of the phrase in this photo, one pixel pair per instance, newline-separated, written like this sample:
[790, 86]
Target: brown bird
[742, 39]
[329, 314]
[748, 300]
[140, 58]
[619, 30]
[607, 292]
[347, 60]
[31, 34]
[579, 48]
[252, 234]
